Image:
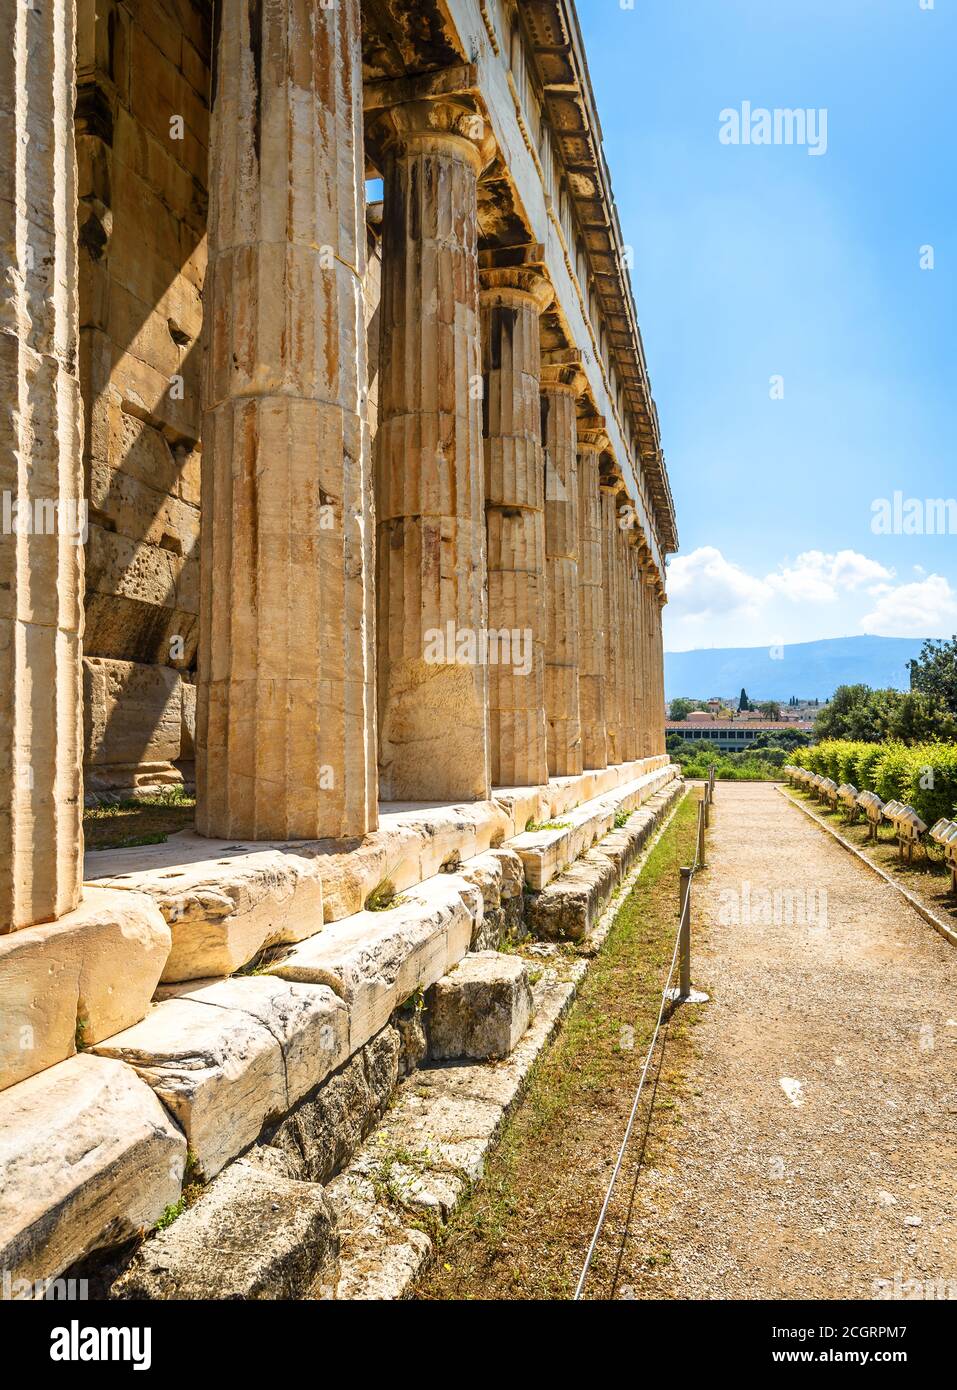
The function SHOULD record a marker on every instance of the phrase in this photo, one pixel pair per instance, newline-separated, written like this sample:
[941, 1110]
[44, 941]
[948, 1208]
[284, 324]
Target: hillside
[808, 670]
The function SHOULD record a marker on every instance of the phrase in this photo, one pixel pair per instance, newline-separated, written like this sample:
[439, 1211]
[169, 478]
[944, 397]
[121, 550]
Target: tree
[743, 703]
[874, 716]
[681, 708]
[770, 709]
[934, 674]
[787, 739]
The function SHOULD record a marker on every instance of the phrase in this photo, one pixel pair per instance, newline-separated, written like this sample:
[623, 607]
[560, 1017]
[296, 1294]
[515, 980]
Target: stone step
[228, 1057]
[560, 794]
[226, 901]
[417, 1165]
[375, 961]
[253, 1234]
[570, 905]
[88, 1158]
[77, 980]
[432, 1145]
[547, 853]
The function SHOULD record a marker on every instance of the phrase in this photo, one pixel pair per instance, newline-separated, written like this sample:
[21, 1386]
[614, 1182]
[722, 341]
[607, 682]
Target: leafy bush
[893, 772]
[931, 786]
[923, 775]
[865, 766]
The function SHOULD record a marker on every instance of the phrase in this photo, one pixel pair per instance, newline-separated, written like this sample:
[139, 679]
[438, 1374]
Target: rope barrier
[683, 925]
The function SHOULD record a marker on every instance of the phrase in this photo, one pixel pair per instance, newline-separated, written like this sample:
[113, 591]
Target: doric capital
[592, 435]
[609, 478]
[434, 124]
[564, 377]
[506, 285]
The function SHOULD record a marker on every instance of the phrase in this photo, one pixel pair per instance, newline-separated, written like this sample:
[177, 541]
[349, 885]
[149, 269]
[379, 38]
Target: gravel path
[817, 1154]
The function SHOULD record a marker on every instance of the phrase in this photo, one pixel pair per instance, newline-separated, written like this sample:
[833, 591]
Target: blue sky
[759, 261]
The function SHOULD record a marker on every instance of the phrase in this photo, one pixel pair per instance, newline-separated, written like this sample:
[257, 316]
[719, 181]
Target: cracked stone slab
[233, 1056]
[82, 978]
[253, 1234]
[222, 912]
[323, 1132]
[376, 960]
[88, 1158]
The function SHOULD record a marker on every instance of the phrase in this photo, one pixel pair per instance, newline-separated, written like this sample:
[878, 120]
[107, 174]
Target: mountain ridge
[809, 670]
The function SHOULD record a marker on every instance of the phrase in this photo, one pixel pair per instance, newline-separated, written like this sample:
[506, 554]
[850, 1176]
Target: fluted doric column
[512, 302]
[430, 493]
[610, 592]
[285, 704]
[648, 655]
[626, 675]
[561, 387]
[592, 440]
[661, 598]
[41, 543]
[632, 636]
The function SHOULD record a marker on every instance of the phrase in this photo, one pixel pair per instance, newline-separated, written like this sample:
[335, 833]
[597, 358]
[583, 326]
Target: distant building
[731, 736]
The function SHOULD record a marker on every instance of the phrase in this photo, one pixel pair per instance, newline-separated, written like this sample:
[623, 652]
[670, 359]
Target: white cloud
[817, 577]
[704, 584]
[927, 608]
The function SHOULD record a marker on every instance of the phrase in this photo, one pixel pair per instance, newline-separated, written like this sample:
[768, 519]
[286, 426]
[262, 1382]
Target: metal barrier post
[684, 949]
[702, 812]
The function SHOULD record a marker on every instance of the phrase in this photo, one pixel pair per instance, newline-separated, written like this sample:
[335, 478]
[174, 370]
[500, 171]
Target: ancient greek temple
[332, 485]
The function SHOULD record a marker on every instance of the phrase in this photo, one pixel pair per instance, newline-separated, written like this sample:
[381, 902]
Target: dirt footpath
[817, 1151]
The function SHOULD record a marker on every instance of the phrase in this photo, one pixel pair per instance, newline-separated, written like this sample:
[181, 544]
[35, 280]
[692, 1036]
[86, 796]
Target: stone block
[88, 1159]
[376, 960]
[77, 980]
[132, 713]
[234, 1056]
[223, 912]
[253, 1234]
[324, 1131]
[481, 1008]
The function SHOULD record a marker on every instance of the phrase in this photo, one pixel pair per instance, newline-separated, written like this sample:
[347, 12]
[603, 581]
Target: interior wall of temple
[142, 258]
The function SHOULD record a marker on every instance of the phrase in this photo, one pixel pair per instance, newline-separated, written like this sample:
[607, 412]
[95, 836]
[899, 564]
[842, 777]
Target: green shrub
[865, 766]
[931, 786]
[893, 772]
[923, 775]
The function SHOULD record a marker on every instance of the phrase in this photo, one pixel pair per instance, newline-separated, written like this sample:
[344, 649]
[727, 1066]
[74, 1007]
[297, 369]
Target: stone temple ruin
[349, 506]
